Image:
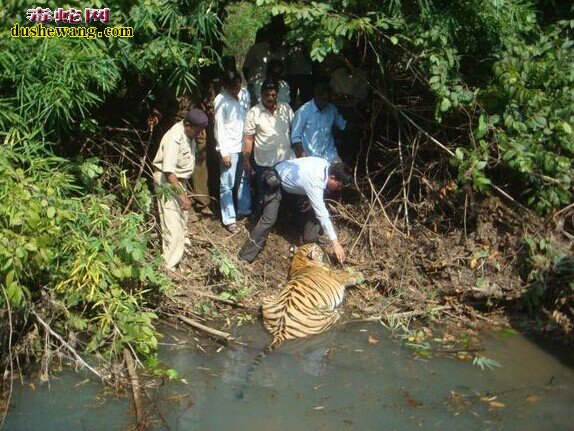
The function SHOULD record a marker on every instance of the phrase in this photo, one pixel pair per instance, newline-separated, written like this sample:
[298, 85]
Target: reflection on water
[335, 381]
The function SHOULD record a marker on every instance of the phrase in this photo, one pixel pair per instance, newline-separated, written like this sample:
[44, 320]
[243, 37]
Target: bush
[535, 95]
[69, 252]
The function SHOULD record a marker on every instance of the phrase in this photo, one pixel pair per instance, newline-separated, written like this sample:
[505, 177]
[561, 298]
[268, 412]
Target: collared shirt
[176, 152]
[314, 129]
[283, 94]
[230, 116]
[308, 176]
[272, 143]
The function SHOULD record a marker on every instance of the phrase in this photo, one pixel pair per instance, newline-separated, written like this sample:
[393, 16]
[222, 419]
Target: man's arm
[315, 196]
[297, 127]
[248, 141]
[298, 147]
[340, 122]
[219, 130]
[179, 189]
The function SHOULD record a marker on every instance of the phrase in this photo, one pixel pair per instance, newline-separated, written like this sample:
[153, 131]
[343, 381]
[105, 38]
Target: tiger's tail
[253, 366]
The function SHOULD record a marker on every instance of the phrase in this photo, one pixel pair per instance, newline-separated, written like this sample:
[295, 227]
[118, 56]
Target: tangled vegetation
[77, 268]
[500, 76]
[468, 98]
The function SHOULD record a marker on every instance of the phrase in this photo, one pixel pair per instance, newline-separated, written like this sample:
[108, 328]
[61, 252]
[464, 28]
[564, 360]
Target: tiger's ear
[292, 250]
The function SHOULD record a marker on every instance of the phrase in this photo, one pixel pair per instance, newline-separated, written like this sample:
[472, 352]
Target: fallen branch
[402, 314]
[134, 379]
[218, 334]
[65, 344]
[564, 210]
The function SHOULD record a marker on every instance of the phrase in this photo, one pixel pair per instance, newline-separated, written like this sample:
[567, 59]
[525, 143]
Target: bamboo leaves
[75, 248]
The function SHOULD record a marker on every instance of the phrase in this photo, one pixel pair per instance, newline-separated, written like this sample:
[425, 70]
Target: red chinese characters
[39, 14]
[72, 15]
[102, 15]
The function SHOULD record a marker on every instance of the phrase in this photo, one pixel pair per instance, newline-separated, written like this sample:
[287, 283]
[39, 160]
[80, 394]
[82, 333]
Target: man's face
[234, 89]
[334, 184]
[191, 131]
[322, 99]
[269, 99]
[275, 74]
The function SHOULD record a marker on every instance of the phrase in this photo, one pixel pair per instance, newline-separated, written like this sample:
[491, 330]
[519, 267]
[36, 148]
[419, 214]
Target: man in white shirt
[173, 165]
[308, 177]
[266, 134]
[231, 106]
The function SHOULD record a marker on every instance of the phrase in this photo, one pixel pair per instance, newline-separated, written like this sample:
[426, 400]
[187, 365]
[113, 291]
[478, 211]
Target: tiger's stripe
[307, 305]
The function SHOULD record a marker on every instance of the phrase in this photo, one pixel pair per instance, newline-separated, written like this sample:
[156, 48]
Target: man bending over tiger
[306, 176]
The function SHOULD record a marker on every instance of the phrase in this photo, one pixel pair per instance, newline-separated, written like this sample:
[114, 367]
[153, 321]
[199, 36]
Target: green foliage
[242, 21]
[489, 64]
[417, 341]
[173, 40]
[62, 241]
[161, 371]
[471, 166]
[535, 98]
[546, 267]
[484, 362]
[67, 250]
[237, 287]
[53, 82]
[56, 83]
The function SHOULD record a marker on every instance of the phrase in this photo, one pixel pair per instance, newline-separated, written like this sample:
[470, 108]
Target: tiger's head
[306, 256]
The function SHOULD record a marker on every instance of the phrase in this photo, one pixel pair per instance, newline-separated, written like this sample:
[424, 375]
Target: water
[336, 381]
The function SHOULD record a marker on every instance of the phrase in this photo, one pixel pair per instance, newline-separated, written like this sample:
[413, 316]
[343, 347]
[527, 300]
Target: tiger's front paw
[357, 277]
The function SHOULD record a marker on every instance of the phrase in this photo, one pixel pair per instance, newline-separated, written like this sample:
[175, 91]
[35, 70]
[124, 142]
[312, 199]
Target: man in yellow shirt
[267, 134]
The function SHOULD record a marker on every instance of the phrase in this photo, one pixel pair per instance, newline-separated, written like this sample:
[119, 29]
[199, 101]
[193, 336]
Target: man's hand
[338, 250]
[226, 160]
[185, 201]
[179, 189]
[298, 147]
[246, 163]
[248, 142]
[154, 118]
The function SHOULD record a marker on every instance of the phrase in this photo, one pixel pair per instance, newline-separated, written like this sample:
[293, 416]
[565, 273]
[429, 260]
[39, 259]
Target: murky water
[336, 381]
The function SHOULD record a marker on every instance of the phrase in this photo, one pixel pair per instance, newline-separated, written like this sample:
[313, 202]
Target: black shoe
[249, 251]
[233, 228]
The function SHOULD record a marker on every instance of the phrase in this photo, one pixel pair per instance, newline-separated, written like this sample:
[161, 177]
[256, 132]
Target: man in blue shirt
[312, 127]
[305, 177]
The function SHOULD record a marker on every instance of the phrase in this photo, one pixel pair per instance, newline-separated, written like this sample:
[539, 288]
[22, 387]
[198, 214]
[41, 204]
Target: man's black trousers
[271, 202]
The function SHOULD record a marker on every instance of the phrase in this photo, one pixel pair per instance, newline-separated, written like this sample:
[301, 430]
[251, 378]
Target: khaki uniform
[176, 154]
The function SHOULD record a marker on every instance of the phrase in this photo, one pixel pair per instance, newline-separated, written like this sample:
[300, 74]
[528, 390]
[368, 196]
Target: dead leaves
[491, 401]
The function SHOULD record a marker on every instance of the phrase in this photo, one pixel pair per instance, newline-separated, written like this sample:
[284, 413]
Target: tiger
[308, 303]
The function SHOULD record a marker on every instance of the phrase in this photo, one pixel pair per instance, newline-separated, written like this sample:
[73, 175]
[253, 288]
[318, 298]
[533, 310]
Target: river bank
[461, 275]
